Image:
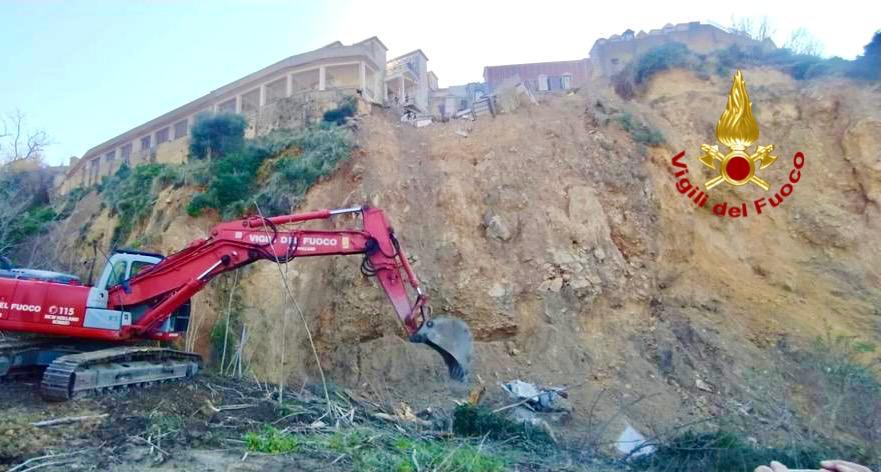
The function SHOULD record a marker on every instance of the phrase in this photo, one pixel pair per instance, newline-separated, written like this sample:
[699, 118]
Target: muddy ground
[162, 427]
[202, 425]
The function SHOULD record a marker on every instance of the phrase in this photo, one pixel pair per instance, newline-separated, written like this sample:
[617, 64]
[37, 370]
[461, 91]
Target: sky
[86, 71]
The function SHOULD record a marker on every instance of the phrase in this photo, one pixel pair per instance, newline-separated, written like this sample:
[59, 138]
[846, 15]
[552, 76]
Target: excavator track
[17, 356]
[79, 374]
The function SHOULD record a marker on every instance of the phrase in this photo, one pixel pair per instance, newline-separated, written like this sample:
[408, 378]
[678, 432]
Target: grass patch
[469, 420]
[639, 131]
[723, 451]
[374, 450]
[164, 423]
[131, 193]
[26, 209]
[339, 114]
[371, 450]
[271, 440]
[70, 200]
[296, 160]
[842, 372]
[723, 62]
[661, 58]
[322, 149]
[839, 359]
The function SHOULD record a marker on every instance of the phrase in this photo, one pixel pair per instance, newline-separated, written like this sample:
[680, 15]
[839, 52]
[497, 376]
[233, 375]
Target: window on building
[180, 129]
[543, 84]
[251, 101]
[161, 136]
[276, 90]
[305, 81]
[345, 76]
[145, 143]
[110, 156]
[125, 152]
[566, 81]
[413, 65]
[93, 171]
[228, 106]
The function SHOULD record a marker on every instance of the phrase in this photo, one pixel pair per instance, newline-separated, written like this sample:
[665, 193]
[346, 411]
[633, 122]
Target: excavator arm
[167, 285]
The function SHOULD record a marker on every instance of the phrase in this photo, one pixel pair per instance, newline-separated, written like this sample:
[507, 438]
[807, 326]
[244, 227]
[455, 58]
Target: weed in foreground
[724, 451]
[271, 441]
[374, 450]
[471, 420]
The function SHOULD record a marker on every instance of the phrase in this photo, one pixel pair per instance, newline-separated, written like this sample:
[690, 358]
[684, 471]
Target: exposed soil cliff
[565, 245]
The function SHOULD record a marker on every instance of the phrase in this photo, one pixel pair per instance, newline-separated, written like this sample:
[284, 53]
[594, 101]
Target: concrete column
[321, 78]
[403, 93]
[238, 103]
[363, 79]
[289, 88]
[262, 95]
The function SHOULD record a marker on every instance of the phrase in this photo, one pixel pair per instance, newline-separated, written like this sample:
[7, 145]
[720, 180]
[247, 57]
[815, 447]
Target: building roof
[417, 51]
[374, 38]
[530, 64]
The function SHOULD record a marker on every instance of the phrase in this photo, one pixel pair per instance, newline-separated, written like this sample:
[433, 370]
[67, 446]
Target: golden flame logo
[737, 129]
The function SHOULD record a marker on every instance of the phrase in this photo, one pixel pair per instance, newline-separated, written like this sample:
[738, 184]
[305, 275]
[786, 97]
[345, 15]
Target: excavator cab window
[138, 267]
[117, 274]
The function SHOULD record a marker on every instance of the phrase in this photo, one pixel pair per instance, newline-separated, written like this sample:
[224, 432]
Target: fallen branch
[153, 446]
[47, 464]
[24, 464]
[69, 419]
[236, 407]
[398, 419]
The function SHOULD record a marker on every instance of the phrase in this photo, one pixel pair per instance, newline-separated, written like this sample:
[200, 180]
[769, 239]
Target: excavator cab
[121, 266]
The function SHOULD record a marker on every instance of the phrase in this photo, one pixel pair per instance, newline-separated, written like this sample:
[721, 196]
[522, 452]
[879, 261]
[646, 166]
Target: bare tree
[17, 142]
[801, 41]
[10, 210]
[758, 29]
[21, 187]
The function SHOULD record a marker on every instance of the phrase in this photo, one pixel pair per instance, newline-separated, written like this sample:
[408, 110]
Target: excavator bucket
[451, 338]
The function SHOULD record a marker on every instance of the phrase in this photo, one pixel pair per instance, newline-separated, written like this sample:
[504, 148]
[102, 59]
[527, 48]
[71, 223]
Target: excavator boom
[149, 302]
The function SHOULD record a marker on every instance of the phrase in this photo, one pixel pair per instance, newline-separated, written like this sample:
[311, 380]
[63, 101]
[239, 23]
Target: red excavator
[86, 337]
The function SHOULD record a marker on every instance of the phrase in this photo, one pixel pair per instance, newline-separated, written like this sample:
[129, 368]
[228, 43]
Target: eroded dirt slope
[566, 247]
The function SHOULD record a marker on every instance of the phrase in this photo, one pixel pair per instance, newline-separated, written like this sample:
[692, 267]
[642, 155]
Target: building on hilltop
[445, 102]
[608, 56]
[408, 80]
[284, 94]
[541, 76]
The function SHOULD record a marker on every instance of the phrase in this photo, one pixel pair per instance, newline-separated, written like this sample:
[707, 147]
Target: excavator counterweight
[144, 296]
